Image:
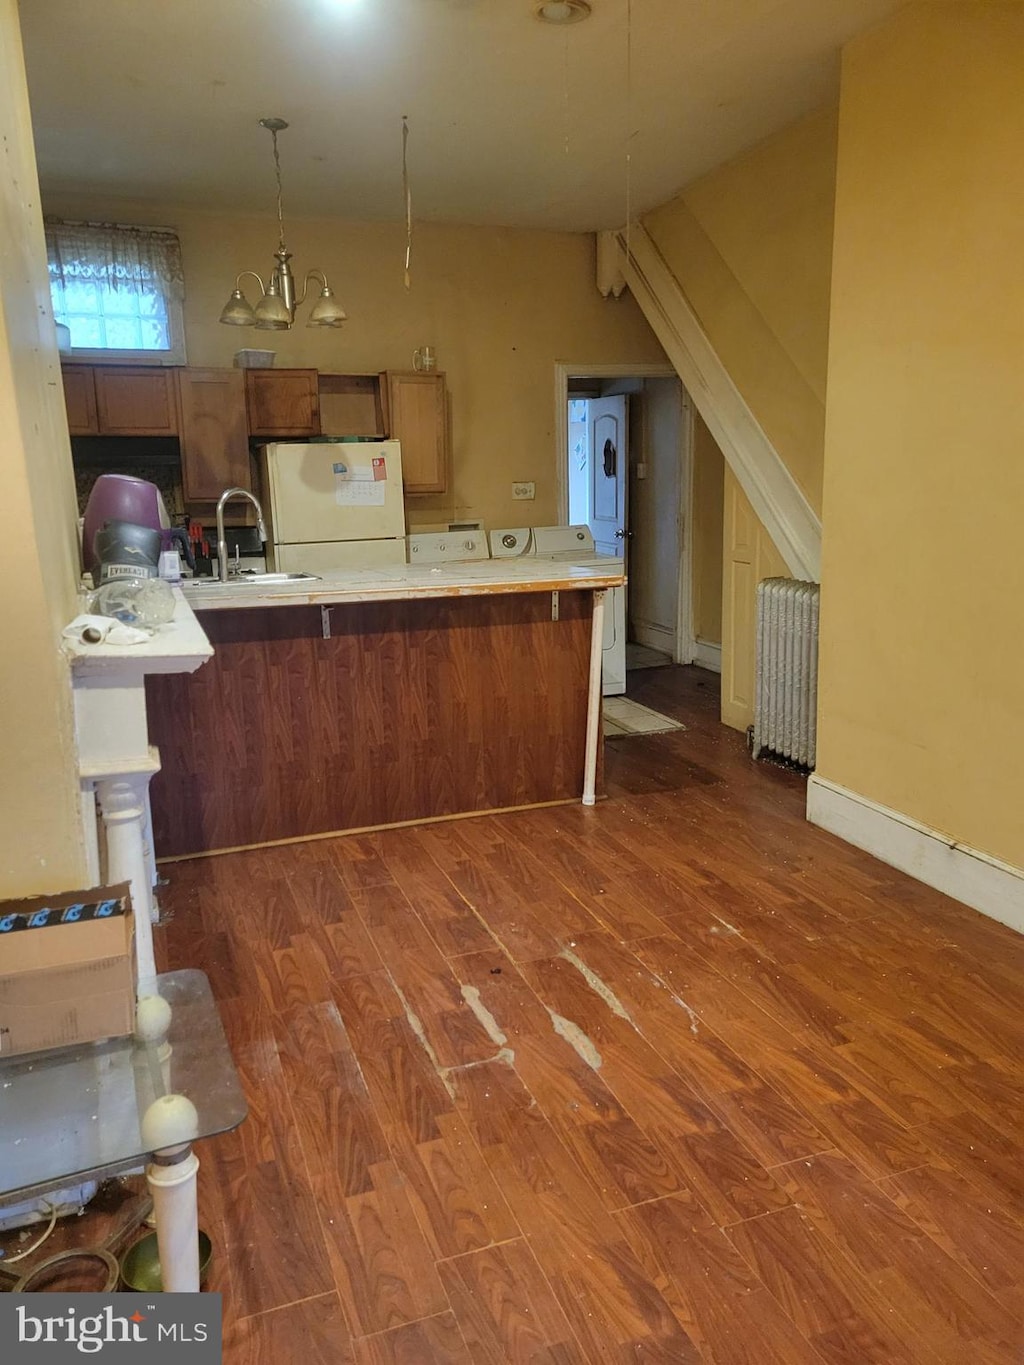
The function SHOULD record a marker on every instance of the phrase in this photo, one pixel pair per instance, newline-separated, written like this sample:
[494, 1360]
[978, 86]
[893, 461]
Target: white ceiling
[511, 121]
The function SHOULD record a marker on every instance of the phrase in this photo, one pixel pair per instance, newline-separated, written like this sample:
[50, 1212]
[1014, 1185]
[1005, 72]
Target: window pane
[81, 297]
[120, 303]
[123, 334]
[86, 332]
[152, 306]
[154, 335]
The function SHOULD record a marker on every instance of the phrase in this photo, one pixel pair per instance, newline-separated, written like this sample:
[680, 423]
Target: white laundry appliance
[456, 545]
[333, 505]
[575, 545]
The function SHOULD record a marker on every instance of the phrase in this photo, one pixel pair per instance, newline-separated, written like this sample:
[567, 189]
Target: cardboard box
[67, 970]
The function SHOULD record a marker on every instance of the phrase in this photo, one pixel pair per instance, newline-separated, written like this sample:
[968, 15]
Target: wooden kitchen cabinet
[416, 414]
[214, 434]
[282, 403]
[136, 400]
[80, 400]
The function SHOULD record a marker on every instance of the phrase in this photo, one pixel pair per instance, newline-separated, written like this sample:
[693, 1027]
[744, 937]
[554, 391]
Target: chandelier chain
[280, 200]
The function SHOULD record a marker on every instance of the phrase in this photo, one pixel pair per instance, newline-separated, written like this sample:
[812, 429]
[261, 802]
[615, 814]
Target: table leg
[594, 700]
[176, 1214]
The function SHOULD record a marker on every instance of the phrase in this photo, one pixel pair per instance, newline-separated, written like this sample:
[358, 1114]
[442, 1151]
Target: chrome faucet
[222, 544]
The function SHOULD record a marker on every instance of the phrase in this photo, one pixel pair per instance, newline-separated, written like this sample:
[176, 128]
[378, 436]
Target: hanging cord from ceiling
[565, 89]
[407, 192]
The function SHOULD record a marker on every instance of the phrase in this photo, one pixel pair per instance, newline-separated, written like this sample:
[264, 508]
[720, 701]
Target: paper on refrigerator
[357, 485]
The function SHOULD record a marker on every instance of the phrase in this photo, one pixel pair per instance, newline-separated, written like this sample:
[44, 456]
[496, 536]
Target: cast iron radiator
[786, 678]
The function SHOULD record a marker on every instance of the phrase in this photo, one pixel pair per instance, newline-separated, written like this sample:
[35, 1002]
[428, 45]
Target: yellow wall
[499, 306]
[40, 826]
[923, 576]
[706, 520]
[750, 245]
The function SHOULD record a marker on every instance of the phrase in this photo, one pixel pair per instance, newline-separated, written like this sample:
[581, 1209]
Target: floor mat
[642, 656]
[625, 717]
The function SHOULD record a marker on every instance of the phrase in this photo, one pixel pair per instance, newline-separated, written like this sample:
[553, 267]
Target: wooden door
[80, 399]
[214, 438]
[282, 403]
[609, 465]
[136, 401]
[416, 414]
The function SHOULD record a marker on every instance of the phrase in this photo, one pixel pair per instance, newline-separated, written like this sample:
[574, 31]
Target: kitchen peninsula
[374, 697]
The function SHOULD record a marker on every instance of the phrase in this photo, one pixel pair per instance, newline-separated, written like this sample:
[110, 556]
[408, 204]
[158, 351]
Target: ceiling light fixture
[276, 309]
[562, 11]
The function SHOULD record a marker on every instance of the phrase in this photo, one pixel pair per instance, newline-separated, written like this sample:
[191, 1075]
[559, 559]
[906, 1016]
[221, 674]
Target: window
[119, 290]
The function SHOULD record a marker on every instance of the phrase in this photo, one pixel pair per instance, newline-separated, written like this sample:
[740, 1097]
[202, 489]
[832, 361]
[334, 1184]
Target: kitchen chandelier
[276, 309]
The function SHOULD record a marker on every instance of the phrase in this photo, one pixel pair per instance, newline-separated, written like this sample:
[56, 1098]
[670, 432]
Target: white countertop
[399, 582]
[180, 646]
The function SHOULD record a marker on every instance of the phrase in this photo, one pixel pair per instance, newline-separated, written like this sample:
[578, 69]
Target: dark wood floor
[678, 1078]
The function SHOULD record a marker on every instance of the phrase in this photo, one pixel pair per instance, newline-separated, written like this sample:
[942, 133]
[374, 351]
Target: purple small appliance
[120, 497]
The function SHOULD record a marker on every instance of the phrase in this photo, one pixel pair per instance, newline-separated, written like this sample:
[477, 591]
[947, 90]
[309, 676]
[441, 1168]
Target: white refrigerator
[333, 505]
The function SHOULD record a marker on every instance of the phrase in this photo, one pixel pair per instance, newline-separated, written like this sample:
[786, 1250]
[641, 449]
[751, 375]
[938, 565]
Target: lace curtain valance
[128, 258]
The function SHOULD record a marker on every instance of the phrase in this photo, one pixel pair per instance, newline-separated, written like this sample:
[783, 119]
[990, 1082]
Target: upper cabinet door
[214, 440]
[80, 400]
[282, 402]
[416, 414]
[136, 401]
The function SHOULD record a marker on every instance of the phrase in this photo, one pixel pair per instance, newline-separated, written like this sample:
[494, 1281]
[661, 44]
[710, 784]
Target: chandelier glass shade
[275, 310]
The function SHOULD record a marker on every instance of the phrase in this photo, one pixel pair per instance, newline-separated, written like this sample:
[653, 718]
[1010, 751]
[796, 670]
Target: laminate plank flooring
[678, 1078]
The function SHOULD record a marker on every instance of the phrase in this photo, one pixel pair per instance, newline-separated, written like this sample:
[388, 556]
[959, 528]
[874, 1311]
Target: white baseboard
[654, 636]
[979, 880]
[707, 655]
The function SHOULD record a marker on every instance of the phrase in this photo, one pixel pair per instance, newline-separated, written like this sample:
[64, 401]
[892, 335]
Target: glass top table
[72, 1115]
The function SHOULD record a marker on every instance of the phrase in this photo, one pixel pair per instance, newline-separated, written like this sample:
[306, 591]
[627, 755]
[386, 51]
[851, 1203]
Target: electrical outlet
[524, 492]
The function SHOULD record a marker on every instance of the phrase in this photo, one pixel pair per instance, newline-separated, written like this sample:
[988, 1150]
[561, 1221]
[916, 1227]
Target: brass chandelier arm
[258, 278]
[312, 274]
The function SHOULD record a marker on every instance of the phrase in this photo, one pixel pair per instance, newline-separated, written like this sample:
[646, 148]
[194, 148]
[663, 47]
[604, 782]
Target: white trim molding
[707, 655]
[661, 638]
[774, 494]
[979, 880]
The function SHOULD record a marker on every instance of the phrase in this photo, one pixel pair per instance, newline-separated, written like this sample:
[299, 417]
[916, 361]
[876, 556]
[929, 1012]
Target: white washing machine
[574, 545]
[446, 547]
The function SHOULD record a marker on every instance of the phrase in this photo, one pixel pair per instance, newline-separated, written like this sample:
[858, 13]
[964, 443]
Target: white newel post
[116, 760]
[122, 808]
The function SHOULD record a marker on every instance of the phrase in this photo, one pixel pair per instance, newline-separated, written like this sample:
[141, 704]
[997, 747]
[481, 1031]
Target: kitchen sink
[275, 578]
[260, 579]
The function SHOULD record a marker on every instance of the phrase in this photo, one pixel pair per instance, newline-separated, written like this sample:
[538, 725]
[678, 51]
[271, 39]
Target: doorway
[625, 471]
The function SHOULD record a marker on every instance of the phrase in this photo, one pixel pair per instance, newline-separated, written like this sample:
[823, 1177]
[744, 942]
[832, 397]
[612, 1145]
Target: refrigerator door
[334, 491]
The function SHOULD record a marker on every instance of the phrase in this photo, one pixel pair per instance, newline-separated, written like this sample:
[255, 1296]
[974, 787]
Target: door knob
[621, 535]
